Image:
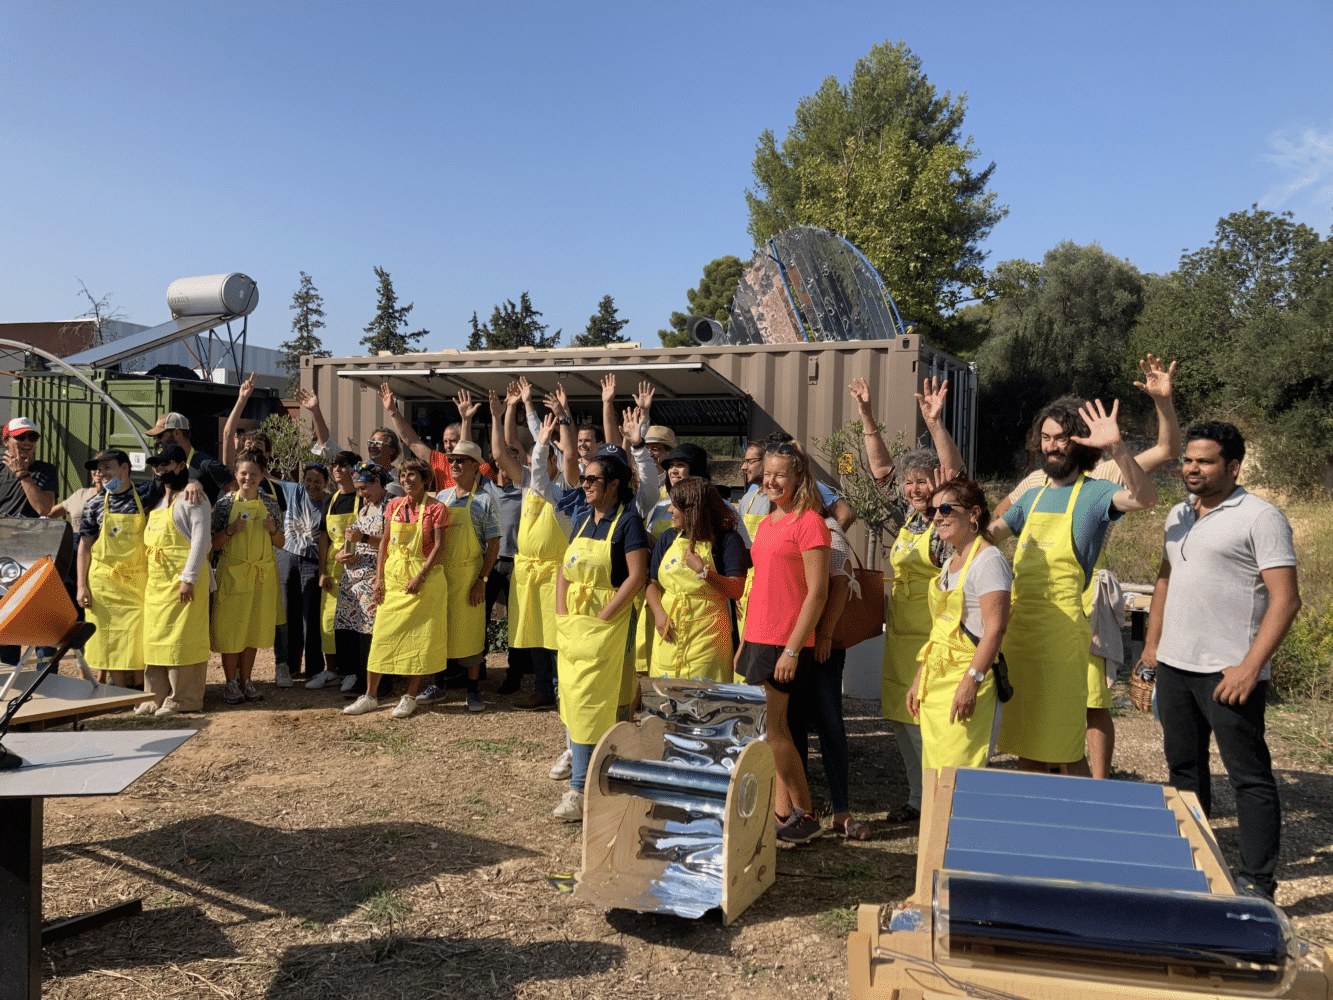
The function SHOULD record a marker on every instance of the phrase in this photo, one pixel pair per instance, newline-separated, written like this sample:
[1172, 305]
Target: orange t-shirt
[439, 464]
[432, 515]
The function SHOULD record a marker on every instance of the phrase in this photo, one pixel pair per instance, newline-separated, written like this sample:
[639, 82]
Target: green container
[76, 423]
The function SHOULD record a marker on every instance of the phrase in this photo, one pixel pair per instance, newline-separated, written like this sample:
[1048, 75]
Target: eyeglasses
[27, 437]
[945, 509]
[589, 480]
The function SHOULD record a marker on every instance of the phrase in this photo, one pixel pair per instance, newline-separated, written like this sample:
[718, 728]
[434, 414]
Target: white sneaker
[349, 682]
[324, 677]
[405, 707]
[563, 766]
[282, 676]
[145, 708]
[570, 808]
[166, 711]
[362, 705]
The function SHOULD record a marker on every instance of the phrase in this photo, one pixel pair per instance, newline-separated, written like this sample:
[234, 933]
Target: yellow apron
[410, 629]
[463, 556]
[1047, 642]
[944, 661]
[266, 486]
[1099, 695]
[699, 612]
[908, 619]
[328, 601]
[646, 632]
[174, 634]
[541, 545]
[117, 576]
[245, 609]
[592, 652]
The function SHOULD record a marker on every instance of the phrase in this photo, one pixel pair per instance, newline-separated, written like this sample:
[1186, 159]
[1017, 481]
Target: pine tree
[309, 306]
[386, 329]
[511, 326]
[604, 327]
[712, 299]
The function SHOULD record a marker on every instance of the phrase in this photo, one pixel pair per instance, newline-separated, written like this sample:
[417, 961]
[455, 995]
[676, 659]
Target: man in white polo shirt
[1225, 596]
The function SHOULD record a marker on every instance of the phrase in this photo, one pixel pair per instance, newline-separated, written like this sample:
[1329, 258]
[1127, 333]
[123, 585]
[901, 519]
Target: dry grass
[287, 852]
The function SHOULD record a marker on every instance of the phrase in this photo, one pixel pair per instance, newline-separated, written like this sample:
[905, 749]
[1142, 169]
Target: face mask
[174, 480]
[113, 485]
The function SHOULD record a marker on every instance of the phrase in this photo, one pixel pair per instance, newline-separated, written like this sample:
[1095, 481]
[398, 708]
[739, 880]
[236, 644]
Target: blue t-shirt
[629, 537]
[730, 557]
[1093, 515]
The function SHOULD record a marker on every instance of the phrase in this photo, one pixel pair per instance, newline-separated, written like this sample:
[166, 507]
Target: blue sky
[478, 150]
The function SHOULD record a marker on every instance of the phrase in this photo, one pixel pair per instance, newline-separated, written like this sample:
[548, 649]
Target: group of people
[619, 559]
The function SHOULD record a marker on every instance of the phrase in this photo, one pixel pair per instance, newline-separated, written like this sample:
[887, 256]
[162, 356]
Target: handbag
[863, 616]
[1003, 689]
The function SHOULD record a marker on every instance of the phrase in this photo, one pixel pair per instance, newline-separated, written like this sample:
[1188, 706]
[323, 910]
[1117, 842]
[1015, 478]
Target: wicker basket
[1140, 692]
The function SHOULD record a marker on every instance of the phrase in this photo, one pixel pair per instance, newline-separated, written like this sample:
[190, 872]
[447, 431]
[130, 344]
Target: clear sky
[573, 150]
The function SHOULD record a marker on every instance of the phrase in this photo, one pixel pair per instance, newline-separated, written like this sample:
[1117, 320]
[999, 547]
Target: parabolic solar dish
[806, 285]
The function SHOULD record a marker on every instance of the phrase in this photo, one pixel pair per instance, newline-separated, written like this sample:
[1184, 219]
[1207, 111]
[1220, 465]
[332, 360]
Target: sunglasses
[589, 480]
[459, 460]
[783, 448]
[945, 509]
[27, 437]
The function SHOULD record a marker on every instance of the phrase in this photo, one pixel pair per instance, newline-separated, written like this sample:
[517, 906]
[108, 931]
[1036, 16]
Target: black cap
[609, 450]
[169, 453]
[110, 455]
[692, 455]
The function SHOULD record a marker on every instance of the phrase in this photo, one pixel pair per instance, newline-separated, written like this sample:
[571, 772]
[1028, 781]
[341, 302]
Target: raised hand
[631, 426]
[307, 399]
[609, 387]
[525, 391]
[1156, 377]
[860, 392]
[931, 398]
[512, 395]
[547, 430]
[497, 406]
[561, 400]
[466, 408]
[388, 399]
[247, 387]
[643, 399]
[1103, 431]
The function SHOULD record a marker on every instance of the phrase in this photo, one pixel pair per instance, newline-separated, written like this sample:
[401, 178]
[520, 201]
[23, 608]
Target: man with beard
[1226, 594]
[1060, 528]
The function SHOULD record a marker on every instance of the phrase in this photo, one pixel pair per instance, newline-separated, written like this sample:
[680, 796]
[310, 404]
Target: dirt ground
[289, 851]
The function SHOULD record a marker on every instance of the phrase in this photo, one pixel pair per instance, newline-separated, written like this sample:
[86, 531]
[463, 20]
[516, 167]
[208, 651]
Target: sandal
[852, 829]
[905, 813]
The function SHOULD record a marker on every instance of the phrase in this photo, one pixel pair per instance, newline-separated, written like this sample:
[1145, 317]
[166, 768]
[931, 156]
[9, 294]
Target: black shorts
[759, 662]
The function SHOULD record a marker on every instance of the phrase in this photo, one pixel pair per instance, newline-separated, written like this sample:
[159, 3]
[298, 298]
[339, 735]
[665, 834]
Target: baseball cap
[20, 425]
[609, 450]
[467, 449]
[111, 455]
[657, 434]
[168, 453]
[169, 422]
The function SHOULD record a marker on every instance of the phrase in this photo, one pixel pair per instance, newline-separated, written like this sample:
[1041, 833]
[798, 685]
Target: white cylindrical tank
[213, 294]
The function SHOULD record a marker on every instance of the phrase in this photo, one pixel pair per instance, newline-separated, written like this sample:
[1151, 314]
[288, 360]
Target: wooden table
[62, 699]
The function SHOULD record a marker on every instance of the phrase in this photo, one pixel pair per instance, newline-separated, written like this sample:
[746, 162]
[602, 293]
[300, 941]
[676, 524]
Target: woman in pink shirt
[791, 558]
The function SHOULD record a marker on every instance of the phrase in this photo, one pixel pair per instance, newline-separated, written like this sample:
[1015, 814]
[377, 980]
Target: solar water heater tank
[213, 295]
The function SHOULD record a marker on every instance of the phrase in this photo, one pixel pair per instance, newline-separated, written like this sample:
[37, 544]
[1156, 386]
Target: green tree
[511, 326]
[712, 299]
[604, 327]
[1062, 328]
[881, 160]
[291, 444]
[309, 319]
[387, 331]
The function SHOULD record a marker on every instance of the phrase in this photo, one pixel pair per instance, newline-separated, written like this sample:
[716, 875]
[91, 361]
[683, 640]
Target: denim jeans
[1189, 716]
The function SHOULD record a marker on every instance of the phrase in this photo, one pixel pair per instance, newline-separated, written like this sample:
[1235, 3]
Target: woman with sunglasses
[953, 694]
[697, 568]
[787, 594]
[916, 557]
[358, 558]
[604, 566]
[410, 591]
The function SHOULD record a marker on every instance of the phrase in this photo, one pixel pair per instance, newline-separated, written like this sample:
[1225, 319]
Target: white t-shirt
[988, 573]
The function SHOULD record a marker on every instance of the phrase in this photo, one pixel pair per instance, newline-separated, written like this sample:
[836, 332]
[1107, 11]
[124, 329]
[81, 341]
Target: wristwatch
[976, 675]
[790, 653]
[564, 422]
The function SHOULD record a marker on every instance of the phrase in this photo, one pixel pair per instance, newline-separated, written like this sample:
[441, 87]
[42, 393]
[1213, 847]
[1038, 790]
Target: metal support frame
[205, 354]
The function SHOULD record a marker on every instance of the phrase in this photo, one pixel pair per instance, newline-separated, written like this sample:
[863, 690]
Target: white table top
[123, 756]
